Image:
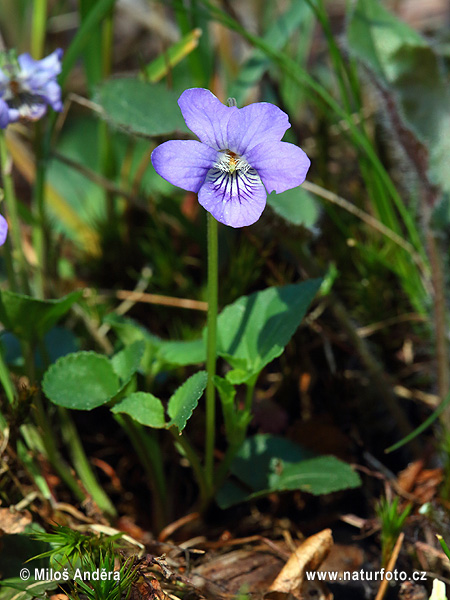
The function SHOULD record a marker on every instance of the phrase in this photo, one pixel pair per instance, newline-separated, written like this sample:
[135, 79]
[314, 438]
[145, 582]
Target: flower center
[230, 162]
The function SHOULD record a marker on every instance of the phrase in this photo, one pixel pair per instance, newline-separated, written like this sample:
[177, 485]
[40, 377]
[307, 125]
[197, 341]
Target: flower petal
[183, 163]
[4, 114]
[236, 199]
[3, 230]
[52, 94]
[280, 165]
[254, 124]
[47, 68]
[206, 116]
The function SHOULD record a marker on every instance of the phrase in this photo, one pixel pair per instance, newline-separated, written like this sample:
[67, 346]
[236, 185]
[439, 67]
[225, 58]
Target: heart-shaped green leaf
[140, 107]
[81, 381]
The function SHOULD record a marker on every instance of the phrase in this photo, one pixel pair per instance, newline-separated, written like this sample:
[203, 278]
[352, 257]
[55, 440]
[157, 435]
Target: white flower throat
[232, 178]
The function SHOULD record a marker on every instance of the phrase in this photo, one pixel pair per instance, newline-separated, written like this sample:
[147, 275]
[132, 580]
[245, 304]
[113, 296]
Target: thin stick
[395, 552]
[163, 300]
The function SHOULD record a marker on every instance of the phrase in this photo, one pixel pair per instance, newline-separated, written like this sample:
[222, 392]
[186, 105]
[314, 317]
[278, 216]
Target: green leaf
[30, 319]
[267, 463]
[143, 408]
[81, 381]
[182, 353]
[126, 362]
[253, 461]
[297, 206]
[254, 330]
[320, 475]
[140, 107]
[407, 68]
[183, 402]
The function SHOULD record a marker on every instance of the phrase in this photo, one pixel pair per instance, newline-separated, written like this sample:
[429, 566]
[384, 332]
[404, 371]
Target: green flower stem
[249, 393]
[13, 214]
[81, 464]
[38, 28]
[213, 255]
[148, 450]
[39, 228]
[185, 448]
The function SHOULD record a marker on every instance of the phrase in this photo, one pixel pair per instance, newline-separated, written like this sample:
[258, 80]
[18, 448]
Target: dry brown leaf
[13, 522]
[408, 477]
[308, 556]
[223, 576]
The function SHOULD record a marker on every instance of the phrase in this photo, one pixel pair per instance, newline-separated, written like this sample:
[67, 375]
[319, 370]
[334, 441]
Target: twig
[395, 552]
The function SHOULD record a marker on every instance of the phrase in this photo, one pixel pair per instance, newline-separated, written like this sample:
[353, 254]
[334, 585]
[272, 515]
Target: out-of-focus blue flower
[28, 86]
[239, 159]
[3, 230]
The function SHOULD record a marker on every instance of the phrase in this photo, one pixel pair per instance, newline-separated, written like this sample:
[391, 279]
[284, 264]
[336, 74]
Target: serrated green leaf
[143, 408]
[255, 329]
[183, 402]
[29, 318]
[297, 206]
[126, 362]
[81, 381]
[140, 107]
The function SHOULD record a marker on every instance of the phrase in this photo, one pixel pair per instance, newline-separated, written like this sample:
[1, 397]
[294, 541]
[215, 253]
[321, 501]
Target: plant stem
[233, 448]
[81, 464]
[13, 214]
[39, 227]
[440, 319]
[211, 350]
[38, 28]
[249, 393]
[147, 448]
[186, 449]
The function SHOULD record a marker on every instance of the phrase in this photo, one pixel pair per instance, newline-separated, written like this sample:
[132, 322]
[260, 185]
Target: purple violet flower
[3, 230]
[28, 86]
[238, 160]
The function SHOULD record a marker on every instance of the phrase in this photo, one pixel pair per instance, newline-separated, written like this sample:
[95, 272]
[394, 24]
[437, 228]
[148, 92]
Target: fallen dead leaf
[308, 556]
[225, 575]
[12, 522]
